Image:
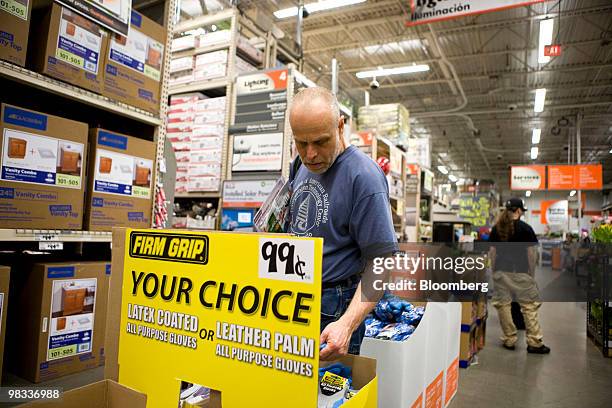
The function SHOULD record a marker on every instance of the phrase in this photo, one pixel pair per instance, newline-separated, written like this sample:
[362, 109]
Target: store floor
[575, 374]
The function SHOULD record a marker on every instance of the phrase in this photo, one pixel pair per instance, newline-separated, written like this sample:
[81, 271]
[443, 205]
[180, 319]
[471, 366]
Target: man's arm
[337, 334]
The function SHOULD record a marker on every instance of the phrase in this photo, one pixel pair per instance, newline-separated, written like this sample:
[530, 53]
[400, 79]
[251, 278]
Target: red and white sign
[552, 50]
[429, 11]
[527, 177]
[554, 212]
[262, 82]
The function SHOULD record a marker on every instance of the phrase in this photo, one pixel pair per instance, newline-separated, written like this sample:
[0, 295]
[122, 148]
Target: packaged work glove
[373, 326]
[334, 384]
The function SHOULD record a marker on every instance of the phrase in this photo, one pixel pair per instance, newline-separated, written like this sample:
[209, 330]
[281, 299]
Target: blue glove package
[402, 332]
[338, 369]
[373, 326]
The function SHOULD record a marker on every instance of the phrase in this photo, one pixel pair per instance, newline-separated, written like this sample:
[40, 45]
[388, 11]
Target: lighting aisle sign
[238, 313]
[429, 11]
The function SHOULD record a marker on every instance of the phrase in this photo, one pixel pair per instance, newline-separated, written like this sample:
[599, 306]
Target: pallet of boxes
[473, 330]
[391, 121]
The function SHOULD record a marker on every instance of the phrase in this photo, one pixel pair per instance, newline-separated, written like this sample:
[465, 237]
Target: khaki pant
[523, 288]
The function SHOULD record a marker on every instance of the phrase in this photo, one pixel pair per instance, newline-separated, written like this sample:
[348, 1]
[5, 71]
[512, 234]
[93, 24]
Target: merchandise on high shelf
[15, 29]
[388, 120]
[196, 127]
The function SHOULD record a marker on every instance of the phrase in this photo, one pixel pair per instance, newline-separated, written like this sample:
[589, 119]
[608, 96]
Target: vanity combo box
[42, 174]
[61, 328]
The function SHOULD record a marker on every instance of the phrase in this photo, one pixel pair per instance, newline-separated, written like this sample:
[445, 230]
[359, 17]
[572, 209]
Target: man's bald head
[317, 128]
[316, 101]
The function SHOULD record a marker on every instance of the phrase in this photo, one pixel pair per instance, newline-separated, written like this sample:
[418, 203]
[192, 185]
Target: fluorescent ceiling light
[540, 97]
[408, 69]
[452, 178]
[535, 136]
[572, 193]
[534, 153]
[316, 7]
[443, 169]
[546, 34]
[528, 193]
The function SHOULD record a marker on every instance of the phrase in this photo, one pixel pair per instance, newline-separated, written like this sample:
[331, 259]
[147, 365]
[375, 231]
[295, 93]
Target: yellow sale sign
[238, 313]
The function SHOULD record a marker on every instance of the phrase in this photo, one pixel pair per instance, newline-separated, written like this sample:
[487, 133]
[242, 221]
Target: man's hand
[337, 335]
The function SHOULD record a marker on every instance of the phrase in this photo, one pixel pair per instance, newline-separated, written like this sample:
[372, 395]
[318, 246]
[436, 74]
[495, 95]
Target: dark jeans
[334, 302]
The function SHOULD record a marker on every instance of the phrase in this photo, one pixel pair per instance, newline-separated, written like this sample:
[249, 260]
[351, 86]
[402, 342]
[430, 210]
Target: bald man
[341, 195]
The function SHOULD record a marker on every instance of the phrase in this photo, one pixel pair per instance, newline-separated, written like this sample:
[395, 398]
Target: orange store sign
[575, 177]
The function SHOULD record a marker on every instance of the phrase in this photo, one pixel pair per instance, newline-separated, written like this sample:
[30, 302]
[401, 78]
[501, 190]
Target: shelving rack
[599, 290]
[92, 108]
[239, 24]
[419, 224]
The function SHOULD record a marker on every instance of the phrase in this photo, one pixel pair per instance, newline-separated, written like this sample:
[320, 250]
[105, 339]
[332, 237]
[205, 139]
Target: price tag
[47, 237]
[50, 246]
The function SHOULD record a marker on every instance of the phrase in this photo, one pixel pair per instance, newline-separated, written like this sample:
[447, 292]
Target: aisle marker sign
[429, 11]
[527, 177]
[239, 313]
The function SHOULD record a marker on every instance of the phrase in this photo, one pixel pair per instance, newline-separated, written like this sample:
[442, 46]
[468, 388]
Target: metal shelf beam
[36, 80]
[35, 235]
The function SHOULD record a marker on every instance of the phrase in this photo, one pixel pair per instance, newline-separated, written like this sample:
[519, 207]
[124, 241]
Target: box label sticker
[72, 317]
[16, 8]
[112, 140]
[78, 42]
[31, 158]
[138, 52]
[122, 174]
[54, 272]
[20, 117]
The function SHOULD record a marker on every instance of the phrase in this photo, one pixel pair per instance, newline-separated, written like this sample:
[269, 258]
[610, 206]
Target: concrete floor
[575, 374]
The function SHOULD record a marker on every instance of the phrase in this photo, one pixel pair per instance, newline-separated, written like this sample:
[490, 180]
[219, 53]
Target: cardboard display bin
[102, 394]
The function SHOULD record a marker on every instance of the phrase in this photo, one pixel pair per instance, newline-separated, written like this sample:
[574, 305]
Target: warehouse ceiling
[495, 59]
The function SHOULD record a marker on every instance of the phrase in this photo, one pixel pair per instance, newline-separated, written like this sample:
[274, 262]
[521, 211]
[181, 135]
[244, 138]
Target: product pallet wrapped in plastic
[391, 121]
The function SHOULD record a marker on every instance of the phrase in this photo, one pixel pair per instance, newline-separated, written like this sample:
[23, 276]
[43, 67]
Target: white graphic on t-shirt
[310, 206]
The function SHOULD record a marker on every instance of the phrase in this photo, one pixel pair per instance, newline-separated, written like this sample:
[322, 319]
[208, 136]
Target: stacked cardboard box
[210, 65]
[5, 277]
[62, 319]
[391, 121]
[242, 66]
[68, 47]
[42, 179]
[120, 185]
[15, 28]
[473, 329]
[134, 64]
[196, 127]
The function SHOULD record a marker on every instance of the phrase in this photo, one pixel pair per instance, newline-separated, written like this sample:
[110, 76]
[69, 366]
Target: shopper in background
[514, 261]
[341, 195]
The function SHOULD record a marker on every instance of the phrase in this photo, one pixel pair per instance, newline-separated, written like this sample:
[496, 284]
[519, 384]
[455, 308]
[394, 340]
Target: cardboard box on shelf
[41, 177]
[120, 188]
[15, 17]
[68, 47]
[181, 64]
[134, 64]
[106, 393]
[183, 43]
[62, 321]
[5, 278]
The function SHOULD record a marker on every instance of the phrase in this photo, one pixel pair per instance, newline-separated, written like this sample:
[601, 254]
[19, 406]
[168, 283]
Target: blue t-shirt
[348, 206]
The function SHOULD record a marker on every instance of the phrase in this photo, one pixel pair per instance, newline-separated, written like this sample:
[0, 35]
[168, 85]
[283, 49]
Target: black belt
[344, 282]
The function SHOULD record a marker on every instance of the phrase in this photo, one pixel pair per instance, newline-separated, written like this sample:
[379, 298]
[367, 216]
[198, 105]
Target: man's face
[317, 138]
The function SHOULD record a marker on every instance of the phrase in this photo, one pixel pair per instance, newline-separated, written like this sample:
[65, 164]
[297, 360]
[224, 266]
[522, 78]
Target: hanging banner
[258, 152]
[114, 14]
[554, 212]
[194, 314]
[246, 193]
[575, 177]
[429, 11]
[527, 178]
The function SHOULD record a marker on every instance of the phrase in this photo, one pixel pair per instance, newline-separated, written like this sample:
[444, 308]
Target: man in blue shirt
[341, 195]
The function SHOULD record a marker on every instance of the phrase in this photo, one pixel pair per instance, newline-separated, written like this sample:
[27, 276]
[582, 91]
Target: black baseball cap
[515, 202]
